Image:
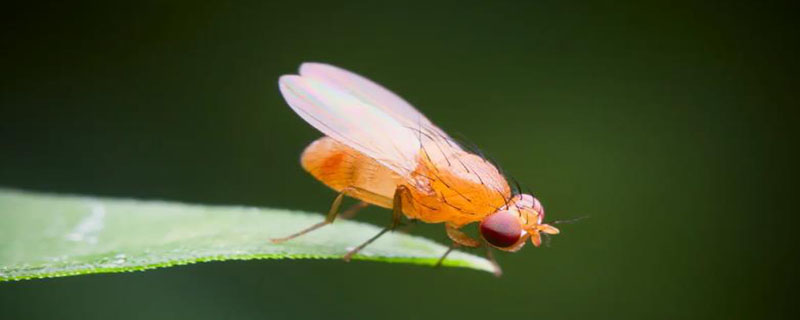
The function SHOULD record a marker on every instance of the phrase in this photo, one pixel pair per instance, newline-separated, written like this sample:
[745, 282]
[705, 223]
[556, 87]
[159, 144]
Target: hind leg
[330, 217]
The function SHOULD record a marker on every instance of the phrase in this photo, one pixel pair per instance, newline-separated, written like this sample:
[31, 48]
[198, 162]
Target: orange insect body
[339, 166]
[381, 150]
[457, 195]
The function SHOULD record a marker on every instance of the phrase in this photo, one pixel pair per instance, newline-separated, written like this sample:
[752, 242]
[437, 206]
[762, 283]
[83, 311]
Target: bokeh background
[671, 125]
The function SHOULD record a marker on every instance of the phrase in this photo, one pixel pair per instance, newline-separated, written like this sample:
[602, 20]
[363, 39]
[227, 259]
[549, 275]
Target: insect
[379, 149]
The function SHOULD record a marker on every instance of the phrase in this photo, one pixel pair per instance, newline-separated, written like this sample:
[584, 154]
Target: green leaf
[45, 235]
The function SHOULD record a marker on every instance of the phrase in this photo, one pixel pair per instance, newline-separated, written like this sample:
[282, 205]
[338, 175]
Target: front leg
[460, 237]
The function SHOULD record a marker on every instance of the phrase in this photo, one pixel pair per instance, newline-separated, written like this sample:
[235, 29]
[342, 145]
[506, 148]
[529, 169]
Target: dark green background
[669, 124]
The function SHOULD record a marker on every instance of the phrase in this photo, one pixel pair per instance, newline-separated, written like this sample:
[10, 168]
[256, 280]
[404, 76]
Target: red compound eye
[501, 229]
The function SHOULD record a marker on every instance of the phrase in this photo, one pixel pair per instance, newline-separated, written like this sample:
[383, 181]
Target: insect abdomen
[339, 166]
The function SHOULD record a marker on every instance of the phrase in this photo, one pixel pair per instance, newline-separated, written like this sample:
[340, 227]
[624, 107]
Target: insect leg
[452, 246]
[497, 270]
[460, 237]
[349, 213]
[397, 214]
[407, 226]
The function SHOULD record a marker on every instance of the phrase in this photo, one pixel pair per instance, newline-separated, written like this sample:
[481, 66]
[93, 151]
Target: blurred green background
[672, 125]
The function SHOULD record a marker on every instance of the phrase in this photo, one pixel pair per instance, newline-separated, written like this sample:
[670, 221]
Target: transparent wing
[373, 120]
[438, 146]
[373, 94]
[350, 120]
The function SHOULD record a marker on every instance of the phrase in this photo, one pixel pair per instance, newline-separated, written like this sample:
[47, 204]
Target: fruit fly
[379, 149]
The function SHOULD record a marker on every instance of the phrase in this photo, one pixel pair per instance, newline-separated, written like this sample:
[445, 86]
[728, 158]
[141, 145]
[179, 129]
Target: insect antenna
[573, 220]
